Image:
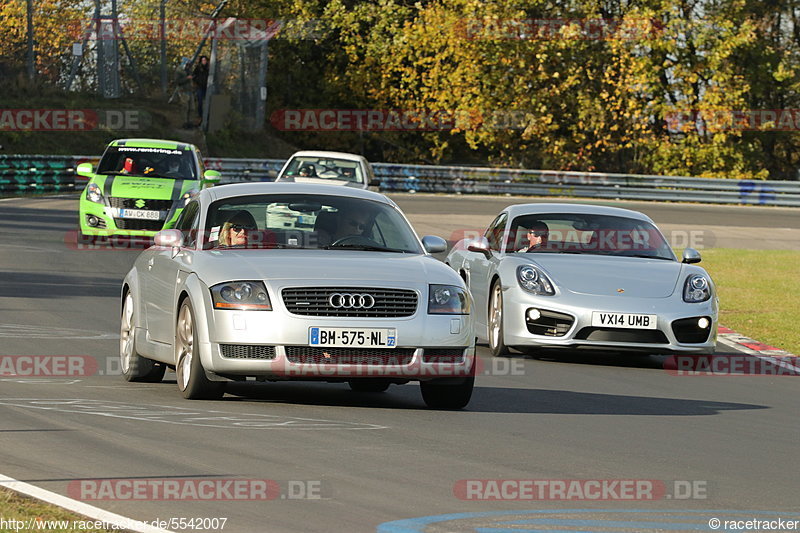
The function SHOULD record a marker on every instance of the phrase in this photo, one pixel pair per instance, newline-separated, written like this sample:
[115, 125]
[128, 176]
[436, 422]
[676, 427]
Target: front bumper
[674, 318]
[275, 345]
[108, 225]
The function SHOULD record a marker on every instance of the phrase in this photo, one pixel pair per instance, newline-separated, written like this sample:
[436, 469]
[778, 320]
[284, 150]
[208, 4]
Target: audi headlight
[696, 289]
[94, 194]
[448, 300]
[241, 296]
[534, 280]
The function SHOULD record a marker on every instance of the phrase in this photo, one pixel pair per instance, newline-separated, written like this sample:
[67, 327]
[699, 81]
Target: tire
[191, 377]
[134, 366]
[369, 384]
[445, 396]
[496, 340]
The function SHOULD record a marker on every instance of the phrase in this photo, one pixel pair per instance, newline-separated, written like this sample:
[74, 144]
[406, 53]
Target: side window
[495, 232]
[187, 221]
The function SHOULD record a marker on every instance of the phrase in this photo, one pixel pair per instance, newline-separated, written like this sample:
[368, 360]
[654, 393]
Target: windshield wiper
[366, 247]
[645, 256]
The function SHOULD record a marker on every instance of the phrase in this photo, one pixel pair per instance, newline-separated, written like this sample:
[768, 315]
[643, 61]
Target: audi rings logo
[351, 301]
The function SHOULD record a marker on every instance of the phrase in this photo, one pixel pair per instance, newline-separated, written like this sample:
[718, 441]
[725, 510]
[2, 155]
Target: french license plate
[352, 337]
[142, 214]
[624, 320]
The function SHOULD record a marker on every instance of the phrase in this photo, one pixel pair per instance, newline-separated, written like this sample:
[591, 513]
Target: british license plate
[624, 320]
[142, 214]
[352, 337]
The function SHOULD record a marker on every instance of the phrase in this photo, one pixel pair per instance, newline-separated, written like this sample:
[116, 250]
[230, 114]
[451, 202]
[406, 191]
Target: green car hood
[146, 188]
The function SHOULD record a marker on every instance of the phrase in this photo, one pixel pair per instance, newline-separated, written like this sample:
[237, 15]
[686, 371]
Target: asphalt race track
[346, 461]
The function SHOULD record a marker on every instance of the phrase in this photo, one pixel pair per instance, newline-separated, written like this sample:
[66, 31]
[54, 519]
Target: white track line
[84, 509]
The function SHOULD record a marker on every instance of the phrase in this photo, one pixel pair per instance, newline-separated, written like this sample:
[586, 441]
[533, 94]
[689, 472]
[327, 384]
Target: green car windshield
[149, 162]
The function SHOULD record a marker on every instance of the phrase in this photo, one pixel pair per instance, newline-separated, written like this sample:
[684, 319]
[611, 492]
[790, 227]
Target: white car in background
[331, 168]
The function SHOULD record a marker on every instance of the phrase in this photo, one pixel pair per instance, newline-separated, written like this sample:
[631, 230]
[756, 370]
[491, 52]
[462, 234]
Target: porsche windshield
[306, 221]
[148, 162]
[581, 233]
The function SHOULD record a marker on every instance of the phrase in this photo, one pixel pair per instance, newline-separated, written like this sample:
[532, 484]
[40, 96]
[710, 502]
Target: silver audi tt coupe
[583, 276]
[282, 281]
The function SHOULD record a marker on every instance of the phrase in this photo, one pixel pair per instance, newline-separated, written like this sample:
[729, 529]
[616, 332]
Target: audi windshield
[305, 221]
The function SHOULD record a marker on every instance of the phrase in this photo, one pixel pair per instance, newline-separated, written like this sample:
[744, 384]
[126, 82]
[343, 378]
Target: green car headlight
[94, 194]
[241, 296]
[448, 300]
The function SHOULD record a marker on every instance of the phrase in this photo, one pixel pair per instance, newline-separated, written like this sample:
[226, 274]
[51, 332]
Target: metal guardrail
[21, 174]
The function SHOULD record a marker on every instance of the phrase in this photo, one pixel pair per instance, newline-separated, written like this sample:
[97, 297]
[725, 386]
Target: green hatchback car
[140, 186]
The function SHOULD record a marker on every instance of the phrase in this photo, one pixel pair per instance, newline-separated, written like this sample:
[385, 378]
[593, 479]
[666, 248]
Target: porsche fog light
[241, 295]
[534, 315]
[703, 323]
[534, 280]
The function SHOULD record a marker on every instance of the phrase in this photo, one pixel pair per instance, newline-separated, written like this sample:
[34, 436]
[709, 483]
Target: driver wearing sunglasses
[234, 231]
[537, 235]
[351, 224]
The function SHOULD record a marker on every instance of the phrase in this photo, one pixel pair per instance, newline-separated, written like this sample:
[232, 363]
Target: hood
[325, 266]
[604, 276]
[146, 188]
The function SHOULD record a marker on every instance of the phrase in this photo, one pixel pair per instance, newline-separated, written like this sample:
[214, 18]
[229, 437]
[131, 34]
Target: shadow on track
[484, 400]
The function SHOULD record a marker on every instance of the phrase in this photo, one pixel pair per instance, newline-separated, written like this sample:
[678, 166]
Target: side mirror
[480, 245]
[434, 244]
[85, 170]
[169, 238]
[211, 178]
[690, 255]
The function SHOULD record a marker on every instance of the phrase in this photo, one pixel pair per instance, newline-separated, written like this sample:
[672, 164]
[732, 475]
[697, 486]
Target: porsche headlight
[241, 296]
[447, 300]
[696, 289]
[94, 194]
[534, 280]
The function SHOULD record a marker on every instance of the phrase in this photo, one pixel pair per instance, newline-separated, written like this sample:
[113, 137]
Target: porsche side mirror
[690, 255]
[480, 245]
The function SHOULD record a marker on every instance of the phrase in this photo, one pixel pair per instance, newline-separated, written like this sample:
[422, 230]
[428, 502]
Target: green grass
[16, 507]
[758, 293]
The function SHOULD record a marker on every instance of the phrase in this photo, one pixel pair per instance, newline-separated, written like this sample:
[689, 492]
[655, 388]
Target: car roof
[333, 155]
[516, 210]
[152, 143]
[232, 190]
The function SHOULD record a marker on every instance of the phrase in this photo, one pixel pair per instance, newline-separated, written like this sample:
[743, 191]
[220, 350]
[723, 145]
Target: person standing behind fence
[200, 79]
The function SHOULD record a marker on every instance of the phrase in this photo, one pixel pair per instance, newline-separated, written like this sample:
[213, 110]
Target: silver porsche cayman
[282, 281]
[583, 276]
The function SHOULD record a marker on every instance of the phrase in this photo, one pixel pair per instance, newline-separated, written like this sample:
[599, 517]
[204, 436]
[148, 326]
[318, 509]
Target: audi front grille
[366, 302]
